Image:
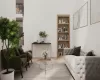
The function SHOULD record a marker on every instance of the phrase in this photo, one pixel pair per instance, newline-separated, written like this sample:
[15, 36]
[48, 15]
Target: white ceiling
[19, 1]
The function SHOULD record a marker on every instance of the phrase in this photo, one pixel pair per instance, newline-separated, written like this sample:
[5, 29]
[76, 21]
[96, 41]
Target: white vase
[9, 76]
[42, 39]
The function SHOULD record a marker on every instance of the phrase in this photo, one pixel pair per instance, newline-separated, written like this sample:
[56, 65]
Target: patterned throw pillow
[76, 51]
[71, 51]
[82, 53]
[90, 53]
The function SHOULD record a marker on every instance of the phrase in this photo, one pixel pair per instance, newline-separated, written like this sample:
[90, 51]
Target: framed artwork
[94, 11]
[83, 15]
[76, 20]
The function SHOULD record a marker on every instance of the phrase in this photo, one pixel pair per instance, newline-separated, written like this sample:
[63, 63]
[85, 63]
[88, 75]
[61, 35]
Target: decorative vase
[8, 76]
[42, 39]
[45, 54]
[45, 57]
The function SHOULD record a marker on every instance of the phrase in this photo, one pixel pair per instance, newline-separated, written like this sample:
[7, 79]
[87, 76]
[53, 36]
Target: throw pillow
[17, 52]
[76, 51]
[71, 52]
[82, 53]
[90, 53]
[21, 51]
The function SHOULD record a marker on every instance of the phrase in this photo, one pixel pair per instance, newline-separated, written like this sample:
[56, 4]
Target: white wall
[41, 15]
[87, 37]
[7, 9]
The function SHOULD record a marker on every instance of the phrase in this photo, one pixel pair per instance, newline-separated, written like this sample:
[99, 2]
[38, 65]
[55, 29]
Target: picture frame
[83, 15]
[94, 11]
[76, 20]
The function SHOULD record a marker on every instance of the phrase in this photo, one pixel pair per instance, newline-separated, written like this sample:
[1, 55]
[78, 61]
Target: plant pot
[42, 40]
[8, 76]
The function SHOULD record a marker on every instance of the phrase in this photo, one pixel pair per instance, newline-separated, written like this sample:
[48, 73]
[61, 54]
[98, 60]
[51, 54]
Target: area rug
[58, 72]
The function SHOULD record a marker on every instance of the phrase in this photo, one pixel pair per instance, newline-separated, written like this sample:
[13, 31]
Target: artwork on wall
[76, 20]
[83, 15]
[80, 18]
[94, 11]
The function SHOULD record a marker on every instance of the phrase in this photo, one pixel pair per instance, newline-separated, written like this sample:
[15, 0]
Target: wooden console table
[39, 48]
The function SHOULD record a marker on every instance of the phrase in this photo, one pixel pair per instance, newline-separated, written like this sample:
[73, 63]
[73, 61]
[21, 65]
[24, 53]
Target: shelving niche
[63, 33]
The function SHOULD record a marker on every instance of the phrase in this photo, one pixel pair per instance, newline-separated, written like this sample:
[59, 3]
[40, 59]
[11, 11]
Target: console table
[38, 48]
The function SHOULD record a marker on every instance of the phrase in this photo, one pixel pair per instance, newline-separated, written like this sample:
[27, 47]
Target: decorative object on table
[45, 54]
[9, 34]
[43, 36]
[94, 11]
[45, 64]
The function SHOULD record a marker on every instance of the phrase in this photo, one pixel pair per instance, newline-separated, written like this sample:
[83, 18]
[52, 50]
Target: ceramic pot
[8, 76]
[42, 40]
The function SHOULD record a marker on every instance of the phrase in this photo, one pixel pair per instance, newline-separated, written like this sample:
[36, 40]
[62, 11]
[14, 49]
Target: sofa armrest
[92, 67]
[29, 51]
[92, 62]
[88, 67]
[23, 56]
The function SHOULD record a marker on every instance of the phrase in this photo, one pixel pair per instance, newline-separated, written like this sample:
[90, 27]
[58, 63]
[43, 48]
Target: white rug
[57, 72]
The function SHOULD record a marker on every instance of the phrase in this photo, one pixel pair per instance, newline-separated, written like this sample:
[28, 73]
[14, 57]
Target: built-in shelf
[63, 23]
[19, 9]
[63, 40]
[19, 18]
[60, 48]
[63, 34]
[19, 1]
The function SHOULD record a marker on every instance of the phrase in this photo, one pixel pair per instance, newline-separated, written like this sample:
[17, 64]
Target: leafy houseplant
[9, 34]
[43, 35]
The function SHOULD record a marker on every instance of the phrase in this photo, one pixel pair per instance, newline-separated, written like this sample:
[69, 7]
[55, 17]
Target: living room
[43, 16]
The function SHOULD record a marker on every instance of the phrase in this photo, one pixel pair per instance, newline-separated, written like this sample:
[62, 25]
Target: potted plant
[42, 35]
[9, 36]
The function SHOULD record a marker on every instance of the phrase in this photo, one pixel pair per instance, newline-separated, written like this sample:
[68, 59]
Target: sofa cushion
[90, 53]
[17, 52]
[82, 53]
[76, 51]
[20, 51]
[71, 51]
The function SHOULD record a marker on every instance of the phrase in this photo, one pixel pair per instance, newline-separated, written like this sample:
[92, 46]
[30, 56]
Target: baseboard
[42, 58]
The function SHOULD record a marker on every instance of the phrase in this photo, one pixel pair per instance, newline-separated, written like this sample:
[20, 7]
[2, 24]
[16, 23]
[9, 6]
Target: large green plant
[4, 24]
[9, 34]
[13, 34]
